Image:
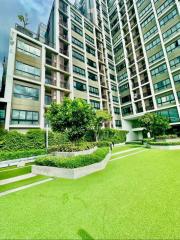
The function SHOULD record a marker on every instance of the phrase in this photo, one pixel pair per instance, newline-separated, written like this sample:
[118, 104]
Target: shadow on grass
[84, 235]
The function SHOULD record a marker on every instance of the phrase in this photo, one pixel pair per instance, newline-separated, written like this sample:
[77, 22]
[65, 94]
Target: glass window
[26, 92]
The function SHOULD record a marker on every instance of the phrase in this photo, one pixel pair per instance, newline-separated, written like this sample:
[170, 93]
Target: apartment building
[120, 56]
[146, 44]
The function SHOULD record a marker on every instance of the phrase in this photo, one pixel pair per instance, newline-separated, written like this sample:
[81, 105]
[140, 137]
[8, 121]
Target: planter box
[168, 140]
[71, 173]
[169, 147]
[72, 154]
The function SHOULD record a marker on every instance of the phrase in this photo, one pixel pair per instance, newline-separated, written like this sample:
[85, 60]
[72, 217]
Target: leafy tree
[154, 123]
[101, 117]
[24, 19]
[74, 117]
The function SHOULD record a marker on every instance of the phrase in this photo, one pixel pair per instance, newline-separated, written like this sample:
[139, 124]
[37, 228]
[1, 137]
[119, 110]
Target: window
[27, 49]
[168, 17]
[2, 115]
[165, 5]
[77, 29]
[118, 123]
[165, 99]
[153, 44]
[92, 76]
[145, 10]
[175, 62]
[76, 17]
[174, 29]
[148, 20]
[91, 63]
[79, 70]
[161, 69]
[88, 27]
[77, 42]
[93, 90]
[26, 92]
[112, 77]
[127, 110]
[114, 88]
[152, 31]
[123, 87]
[27, 70]
[48, 99]
[78, 56]
[162, 84]
[24, 117]
[80, 86]
[170, 113]
[159, 55]
[95, 104]
[115, 99]
[176, 78]
[117, 110]
[173, 46]
[90, 39]
[90, 50]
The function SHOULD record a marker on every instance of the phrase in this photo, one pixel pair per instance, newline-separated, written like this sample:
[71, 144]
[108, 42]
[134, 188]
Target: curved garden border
[72, 154]
[165, 147]
[71, 173]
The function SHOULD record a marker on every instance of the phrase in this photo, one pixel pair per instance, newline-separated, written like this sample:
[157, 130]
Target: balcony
[64, 52]
[64, 67]
[51, 62]
[64, 85]
[63, 36]
[50, 80]
[63, 23]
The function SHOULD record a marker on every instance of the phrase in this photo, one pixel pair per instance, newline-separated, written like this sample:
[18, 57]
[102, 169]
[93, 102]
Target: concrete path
[114, 159]
[24, 187]
[128, 150]
[15, 179]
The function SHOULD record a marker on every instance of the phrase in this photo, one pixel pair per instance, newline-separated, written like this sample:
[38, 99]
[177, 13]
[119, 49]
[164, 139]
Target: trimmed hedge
[7, 155]
[107, 134]
[164, 143]
[33, 139]
[172, 136]
[71, 147]
[73, 162]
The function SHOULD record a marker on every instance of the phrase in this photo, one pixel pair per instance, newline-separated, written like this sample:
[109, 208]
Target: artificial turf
[125, 147]
[9, 173]
[21, 183]
[136, 197]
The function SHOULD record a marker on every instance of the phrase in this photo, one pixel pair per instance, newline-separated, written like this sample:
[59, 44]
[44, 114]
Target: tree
[74, 117]
[24, 19]
[154, 123]
[101, 117]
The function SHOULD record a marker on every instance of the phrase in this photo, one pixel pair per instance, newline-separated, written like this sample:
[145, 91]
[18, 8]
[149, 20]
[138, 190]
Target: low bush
[72, 147]
[103, 144]
[172, 136]
[110, 134]
[8, 155]
[165, 143]
[33, 139]
[73, 162]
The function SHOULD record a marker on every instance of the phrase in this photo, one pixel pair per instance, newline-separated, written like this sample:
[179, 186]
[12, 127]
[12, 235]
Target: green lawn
[14, 172]
[21, 183]
[124, 147]
[136, 197]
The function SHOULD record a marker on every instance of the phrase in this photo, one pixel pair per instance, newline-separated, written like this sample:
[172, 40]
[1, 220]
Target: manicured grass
[21, 183]
[7, 168]
[134, 198]
[121, 153]
[14, 172]
[124, 147]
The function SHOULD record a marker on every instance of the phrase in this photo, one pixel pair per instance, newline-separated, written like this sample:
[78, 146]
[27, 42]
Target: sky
[37, 10]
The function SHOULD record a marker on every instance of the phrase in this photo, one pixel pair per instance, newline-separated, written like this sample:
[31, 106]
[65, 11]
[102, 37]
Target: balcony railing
[65, 52]
[51, 62]
[64, 85]
[63, 36]
[64, 68]
[50, 80]
[65, 24]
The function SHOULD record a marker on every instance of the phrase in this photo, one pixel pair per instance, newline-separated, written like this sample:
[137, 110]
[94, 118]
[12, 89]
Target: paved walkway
[15, 179]
[128, 150]
[24, 187]
[127, 155]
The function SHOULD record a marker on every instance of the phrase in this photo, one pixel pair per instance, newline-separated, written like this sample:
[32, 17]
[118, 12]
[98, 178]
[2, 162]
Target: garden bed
[73, 167]
[165, 145]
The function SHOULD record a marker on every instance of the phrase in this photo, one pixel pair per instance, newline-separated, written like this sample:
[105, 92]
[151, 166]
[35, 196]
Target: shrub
[70, 147]
[14, 140]
[172, 136]
[110, 134]
[73, 162]
[8, 155]
[103, 144]
[164, 143]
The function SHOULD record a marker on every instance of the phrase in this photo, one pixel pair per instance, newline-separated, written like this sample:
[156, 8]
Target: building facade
[120, 56]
